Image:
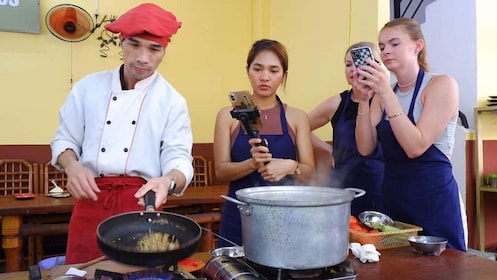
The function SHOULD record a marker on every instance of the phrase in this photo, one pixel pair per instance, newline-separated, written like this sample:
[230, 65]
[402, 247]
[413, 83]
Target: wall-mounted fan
[69, 22]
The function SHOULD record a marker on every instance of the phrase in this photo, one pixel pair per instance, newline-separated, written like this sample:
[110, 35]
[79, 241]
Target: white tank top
[445, 143]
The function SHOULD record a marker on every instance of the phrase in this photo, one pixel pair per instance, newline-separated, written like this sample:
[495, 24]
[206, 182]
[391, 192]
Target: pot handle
[234, 200]
[358, 192]
[244, 208]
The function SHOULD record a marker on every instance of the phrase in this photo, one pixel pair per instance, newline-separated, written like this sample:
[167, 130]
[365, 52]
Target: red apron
[116, 197]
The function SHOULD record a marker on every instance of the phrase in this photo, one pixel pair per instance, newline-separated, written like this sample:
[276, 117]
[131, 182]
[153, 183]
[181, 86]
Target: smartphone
[243, 100]
[360, 54]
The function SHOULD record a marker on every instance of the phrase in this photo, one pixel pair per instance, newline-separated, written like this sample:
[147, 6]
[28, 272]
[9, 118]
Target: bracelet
[396, 115]
[361, 114]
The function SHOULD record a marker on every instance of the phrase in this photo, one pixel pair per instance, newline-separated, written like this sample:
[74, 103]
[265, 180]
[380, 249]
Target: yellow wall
[205, 60]
[486, 57]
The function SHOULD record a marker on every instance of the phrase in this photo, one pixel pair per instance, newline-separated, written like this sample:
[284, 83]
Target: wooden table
[14, 210]
[200, 195]
[398, 263]
[404, 264]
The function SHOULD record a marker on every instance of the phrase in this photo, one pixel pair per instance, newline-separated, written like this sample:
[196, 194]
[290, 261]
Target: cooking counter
[398, 263]
[403, 263]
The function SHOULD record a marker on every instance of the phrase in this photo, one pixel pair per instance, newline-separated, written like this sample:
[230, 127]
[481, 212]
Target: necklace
[408, 84]
[266, 111]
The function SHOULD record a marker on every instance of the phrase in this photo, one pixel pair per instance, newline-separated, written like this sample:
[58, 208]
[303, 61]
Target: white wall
[450, 34]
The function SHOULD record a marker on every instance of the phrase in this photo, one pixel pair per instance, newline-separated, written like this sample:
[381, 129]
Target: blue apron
[421, 191]
[281, 146]
[351, 168]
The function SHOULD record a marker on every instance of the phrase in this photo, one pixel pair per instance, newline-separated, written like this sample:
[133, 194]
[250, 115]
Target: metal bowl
[370, 218]
[427, 245]
[233, 252]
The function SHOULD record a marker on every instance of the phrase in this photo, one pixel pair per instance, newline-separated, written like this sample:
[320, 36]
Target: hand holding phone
[360, 54]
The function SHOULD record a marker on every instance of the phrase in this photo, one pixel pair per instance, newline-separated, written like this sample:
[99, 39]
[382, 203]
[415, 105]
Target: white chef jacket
[142, 132]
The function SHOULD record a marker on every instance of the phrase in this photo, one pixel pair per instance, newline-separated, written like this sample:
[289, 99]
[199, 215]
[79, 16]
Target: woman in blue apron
[287, 159]
[415, 124]
[350, 169]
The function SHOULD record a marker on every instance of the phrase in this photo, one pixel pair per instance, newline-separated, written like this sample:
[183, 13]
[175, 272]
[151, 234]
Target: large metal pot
[295, 227]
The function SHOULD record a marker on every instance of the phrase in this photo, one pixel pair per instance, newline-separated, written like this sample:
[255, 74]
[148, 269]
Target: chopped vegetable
[384, 228]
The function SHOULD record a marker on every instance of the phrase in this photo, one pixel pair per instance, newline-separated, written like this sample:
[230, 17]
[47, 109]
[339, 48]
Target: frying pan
[117, 236]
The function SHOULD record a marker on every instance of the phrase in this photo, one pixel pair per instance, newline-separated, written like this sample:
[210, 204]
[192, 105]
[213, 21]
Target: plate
[24, 195]
[191, 265]
[60, 195]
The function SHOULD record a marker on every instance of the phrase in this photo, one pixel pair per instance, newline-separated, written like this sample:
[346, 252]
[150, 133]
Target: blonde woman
[414, 122]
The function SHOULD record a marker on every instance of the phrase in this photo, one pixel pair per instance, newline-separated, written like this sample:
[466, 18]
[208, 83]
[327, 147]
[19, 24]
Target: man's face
[141, 58]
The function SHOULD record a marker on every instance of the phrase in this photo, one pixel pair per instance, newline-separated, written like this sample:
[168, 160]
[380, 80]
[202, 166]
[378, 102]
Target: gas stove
[227, 268]
[231, 268]
[147, 274]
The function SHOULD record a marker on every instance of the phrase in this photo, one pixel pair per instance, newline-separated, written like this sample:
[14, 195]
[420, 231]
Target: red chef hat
[147, 21]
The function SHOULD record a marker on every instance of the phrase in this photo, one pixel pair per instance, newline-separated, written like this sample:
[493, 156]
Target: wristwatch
[172, 187]
[297, 170]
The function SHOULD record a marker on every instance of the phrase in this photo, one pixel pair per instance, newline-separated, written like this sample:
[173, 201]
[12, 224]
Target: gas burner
[225, 268]
[343, 270]
[146, 274]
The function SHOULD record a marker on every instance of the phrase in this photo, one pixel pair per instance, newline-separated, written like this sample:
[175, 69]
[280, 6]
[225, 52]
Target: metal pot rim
[293, 196]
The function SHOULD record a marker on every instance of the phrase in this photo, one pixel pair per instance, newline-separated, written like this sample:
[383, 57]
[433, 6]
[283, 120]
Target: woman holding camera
[286, 158]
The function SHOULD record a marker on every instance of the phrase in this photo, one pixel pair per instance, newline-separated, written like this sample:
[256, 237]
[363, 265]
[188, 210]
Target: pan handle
[149, 200]
[244, 208]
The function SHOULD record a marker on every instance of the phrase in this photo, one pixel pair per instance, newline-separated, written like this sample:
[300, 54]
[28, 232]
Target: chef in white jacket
[123, 132]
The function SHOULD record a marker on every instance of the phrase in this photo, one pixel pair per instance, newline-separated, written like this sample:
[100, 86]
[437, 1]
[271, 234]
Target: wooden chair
[51, 176]
[202, 171]
[17, 176]
[209, 223]
[55, 224]
[20, 176]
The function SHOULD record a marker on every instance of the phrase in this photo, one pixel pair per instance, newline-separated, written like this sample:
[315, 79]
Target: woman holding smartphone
[288, 157]
[350, 169]
[414, 122]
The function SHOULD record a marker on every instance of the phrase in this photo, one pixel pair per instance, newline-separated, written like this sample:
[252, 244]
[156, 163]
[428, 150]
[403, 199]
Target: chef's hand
[277, 168]
[80, 182]
[160, 186]
[260, 154]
